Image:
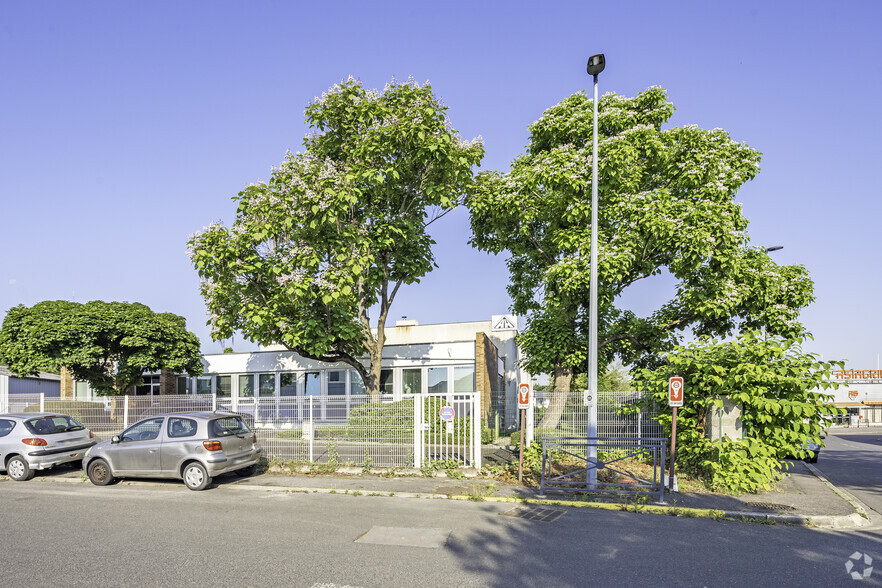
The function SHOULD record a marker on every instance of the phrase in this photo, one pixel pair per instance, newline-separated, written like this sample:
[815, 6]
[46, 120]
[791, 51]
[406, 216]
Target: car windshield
[228, 426]
[49, 425]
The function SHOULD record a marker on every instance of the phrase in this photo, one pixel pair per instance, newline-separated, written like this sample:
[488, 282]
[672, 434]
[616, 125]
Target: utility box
[724, 421]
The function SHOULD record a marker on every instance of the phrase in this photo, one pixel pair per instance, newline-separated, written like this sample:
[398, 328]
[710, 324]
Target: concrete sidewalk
[804, 497]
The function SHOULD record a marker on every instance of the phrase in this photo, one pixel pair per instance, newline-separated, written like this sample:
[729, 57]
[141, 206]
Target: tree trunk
[372, 383]
[563, 378]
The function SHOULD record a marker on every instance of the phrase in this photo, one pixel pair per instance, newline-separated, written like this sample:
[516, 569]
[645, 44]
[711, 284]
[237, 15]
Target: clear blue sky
[127, 126]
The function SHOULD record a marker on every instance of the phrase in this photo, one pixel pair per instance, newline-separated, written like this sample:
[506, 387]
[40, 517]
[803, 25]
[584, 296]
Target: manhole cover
[534, 513]
[771, 506]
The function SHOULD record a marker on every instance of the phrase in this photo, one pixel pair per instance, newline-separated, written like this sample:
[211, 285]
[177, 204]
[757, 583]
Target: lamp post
[596, 64]
[774, 248]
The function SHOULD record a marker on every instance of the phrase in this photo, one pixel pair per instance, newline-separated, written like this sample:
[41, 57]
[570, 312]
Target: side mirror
[115, 439]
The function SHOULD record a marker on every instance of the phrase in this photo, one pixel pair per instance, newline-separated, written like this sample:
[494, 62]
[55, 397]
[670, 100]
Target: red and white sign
[675, 391]
[446, 413]
[524, 393]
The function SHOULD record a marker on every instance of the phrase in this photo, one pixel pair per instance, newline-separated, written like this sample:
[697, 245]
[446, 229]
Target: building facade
[479, 356]
[860, 394]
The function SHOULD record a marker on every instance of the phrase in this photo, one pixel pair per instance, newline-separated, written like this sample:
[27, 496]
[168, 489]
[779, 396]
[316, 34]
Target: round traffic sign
[447, 413]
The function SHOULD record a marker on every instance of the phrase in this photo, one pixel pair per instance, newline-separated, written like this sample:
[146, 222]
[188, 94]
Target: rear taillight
[91, 435]
[212, 445]
[254, 437]
[35, 442]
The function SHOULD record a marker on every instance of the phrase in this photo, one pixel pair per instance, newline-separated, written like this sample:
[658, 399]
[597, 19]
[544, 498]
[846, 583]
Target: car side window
[6, 427]
[181, 427]
[143, 431]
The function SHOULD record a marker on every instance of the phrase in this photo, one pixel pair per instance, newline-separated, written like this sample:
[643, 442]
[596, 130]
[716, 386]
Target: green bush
[780, 390]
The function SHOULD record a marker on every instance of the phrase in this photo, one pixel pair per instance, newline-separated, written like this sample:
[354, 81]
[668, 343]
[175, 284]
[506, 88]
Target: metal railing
[385, 432]
[629, 465]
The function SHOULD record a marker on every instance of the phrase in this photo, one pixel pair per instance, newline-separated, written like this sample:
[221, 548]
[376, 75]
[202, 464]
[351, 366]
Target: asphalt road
[149, 534]
[852, 459]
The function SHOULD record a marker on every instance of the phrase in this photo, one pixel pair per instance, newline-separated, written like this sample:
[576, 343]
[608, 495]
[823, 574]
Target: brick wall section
[67, 387]
[168, 382]
[486, 370]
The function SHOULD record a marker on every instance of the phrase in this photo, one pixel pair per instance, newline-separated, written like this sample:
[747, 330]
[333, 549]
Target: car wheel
[19, 470]
[99, 473]
[245, 472]
[196, 477]
[814, 457]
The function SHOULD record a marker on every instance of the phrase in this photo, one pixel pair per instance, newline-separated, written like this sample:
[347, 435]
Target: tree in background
[108, 344]
[779, 388]
[339, 228]
[667, 206]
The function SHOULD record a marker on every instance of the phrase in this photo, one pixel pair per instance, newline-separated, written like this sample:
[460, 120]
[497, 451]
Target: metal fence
[623, 465]
[413, 431]
[619, 414]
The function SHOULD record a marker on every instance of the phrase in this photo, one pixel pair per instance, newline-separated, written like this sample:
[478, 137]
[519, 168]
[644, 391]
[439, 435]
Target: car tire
[196, 476]
[814, 457]
[99, 472]
[246, 472]
[18, 469]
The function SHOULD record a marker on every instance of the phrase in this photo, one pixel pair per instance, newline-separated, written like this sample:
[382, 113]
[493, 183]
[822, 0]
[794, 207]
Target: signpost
[525, 394]
[675, 399]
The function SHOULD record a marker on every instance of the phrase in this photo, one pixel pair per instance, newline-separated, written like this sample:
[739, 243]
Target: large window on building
[313, 383]
[337, 383]
[203, 384]
[412, 380]
[224, 385]
[437, 380]
[267, 384]
[387, 381]
[288, 384]
[246, 386]
[356, 383]
[464, 378]
[149, 387]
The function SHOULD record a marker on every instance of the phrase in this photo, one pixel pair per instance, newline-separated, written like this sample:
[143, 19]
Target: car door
[6, 441]
[138, 450]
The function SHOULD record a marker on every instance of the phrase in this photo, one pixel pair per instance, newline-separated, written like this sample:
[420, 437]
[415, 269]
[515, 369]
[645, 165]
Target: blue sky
[125, 127]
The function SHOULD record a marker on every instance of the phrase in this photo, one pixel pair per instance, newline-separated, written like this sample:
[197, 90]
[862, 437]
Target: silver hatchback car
[32, 441]
[193, 447]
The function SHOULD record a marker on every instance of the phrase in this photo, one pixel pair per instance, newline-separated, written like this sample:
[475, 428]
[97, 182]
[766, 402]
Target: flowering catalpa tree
[667, 204]
[339, 228]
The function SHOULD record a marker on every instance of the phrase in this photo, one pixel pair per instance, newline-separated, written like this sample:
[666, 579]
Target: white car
[32, 441]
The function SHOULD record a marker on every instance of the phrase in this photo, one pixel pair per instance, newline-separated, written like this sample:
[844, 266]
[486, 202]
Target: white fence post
[311, 430]
[125, 411]
[42, 402]
[4, 393]
[214, 402]
[528, 438]
[476, 427]
[417, 433]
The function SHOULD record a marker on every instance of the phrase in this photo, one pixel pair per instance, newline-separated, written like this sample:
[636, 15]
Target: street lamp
[596, 64]
[774, 248]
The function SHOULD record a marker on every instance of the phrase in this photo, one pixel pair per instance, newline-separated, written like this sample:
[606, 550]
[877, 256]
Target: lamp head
[596, 63]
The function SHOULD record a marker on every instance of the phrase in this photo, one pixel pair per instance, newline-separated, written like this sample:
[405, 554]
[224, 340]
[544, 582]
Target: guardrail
[621, 464]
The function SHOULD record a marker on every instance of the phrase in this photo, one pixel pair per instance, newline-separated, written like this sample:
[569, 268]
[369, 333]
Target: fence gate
[448, 427]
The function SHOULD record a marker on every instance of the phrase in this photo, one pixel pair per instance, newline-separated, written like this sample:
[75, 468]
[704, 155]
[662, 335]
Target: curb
[820, 521]
[859, 518]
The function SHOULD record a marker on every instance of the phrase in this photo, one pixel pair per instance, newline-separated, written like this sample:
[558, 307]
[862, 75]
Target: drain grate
[771, 506]
[534, 513]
